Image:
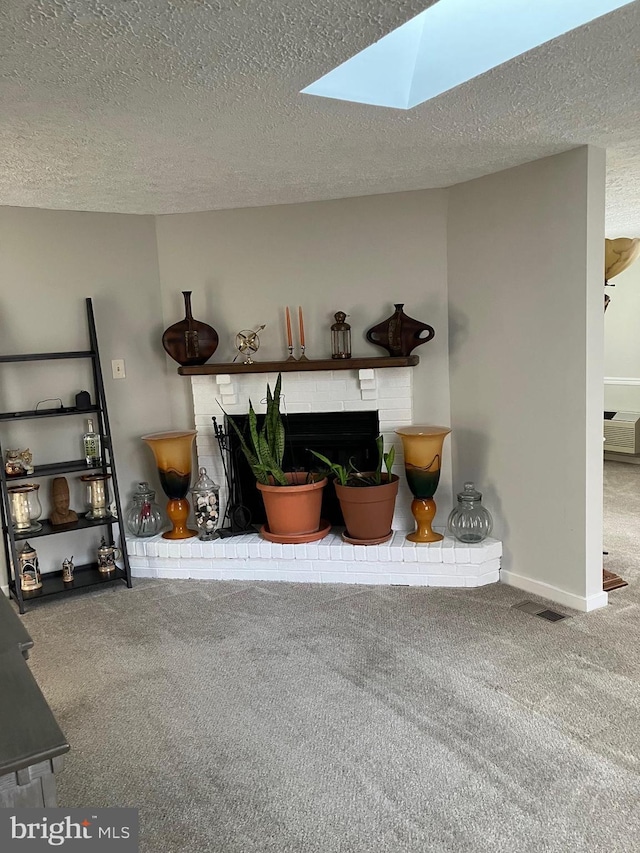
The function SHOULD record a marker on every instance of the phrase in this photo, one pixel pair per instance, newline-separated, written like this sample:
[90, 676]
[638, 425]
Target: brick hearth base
[249, 557]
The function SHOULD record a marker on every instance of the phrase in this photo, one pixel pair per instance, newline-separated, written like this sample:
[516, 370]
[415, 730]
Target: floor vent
[537, 609]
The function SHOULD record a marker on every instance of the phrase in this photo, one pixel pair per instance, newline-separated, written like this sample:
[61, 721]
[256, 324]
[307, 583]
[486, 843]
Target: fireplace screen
[339, 435]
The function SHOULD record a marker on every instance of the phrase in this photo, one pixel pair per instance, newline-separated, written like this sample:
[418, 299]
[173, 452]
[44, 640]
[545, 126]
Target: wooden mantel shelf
[297, 366]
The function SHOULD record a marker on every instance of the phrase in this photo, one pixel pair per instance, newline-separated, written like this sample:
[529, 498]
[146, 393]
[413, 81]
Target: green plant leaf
[389, 459]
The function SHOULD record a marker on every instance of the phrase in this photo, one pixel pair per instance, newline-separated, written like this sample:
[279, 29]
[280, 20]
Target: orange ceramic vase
[173, 451]
[422, 447]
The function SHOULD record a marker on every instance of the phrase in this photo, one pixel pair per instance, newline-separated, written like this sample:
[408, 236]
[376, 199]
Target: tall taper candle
[289, 335]
[301, 325]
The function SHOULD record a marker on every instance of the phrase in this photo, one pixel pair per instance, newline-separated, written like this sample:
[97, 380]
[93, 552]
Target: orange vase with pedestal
[422, 447]
[173, 452]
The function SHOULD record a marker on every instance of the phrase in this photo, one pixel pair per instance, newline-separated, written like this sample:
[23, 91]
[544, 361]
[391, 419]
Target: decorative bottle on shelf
[206, 506]
[469, 521]
[92, 446]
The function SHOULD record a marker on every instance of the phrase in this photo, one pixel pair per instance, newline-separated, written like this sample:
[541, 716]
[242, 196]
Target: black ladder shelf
[85, 576]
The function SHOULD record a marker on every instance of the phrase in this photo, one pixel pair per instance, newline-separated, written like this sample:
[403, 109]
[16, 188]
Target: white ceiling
[162, 106]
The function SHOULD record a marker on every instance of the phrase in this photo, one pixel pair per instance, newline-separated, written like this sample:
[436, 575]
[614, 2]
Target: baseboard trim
[559, 596]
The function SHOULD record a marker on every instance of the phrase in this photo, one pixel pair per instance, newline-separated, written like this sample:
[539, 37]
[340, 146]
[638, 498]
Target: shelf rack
[298, 365]
[85, 576]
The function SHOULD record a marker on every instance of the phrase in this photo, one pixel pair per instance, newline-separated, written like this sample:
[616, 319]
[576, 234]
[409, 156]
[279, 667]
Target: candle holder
[97, 495]
[172, 452]
[302, 355]
[25, 507]
[422, 459]
[291, 356]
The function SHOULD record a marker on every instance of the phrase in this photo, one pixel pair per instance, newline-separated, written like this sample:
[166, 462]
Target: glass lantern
[143, 517]
[469, 521]
[340, 337]
[97, 495]
[206, 506]
[25, 507]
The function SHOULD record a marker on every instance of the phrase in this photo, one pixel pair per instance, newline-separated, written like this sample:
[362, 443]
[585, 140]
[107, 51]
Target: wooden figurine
[61, 514]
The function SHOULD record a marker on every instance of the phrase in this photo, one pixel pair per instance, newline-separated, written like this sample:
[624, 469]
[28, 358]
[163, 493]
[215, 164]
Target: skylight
[449, 43]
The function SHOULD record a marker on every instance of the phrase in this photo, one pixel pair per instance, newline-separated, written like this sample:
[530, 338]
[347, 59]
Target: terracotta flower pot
[368, 510]
[293, 510]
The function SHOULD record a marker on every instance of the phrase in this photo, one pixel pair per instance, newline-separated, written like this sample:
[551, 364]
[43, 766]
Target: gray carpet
[290, 718]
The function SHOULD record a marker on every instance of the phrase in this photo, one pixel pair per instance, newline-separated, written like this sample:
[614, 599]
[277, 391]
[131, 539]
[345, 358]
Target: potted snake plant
[368, 499]
[292, 500]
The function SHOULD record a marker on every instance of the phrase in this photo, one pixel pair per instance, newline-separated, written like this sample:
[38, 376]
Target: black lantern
[340, 337]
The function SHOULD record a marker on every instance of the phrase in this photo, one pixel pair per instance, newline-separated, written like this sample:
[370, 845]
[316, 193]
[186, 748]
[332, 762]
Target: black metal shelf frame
[86, 576]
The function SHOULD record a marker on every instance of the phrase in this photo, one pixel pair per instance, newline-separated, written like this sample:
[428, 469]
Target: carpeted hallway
[244, 717]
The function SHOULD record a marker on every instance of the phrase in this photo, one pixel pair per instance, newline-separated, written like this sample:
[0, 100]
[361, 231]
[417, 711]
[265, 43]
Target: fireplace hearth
[341, 436]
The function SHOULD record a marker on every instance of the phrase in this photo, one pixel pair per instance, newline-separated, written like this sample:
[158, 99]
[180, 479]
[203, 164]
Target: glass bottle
[143, 517]
[206, 506]
[92, 444]
[340, 337]
[469, 521]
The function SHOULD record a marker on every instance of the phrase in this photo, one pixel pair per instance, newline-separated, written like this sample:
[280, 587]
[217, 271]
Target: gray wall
[358, 255]
[525, 263]
[49, 262]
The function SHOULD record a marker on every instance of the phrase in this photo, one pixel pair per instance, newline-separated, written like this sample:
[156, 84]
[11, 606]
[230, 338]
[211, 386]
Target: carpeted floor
[283, 718]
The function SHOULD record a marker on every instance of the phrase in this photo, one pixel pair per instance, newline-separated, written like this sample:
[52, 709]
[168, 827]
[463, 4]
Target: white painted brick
[489, 567]
[267, 575]
[324, 551]
[301, 577]
[443, 580]
[478, 552]
[335, 552]
[299, 408]
[363, 553]
[141, 562]
[368, 394]
[363, 405]
[254, 549]
[288, 552]
[172, 573]
[383, 551]
[396, 548]
[196, 549]
[335, 406]
[153, 549]
[422, 554]
[471, 581]
[242, 549]
[236, 573]
[174, 550]
[461, 553]
[201, 563]
[409, 553]
[435, 552]
[143, 572]
[312, 550]
[276, 550]
[229, 400]
[300, 551]
[408, 580]
[205, 574]
[448, 551]
[494, 549]
[230, 549]
[491, 577]
[265, 550]
[223, 379]
[366, 373]
[368, 384]
[336, 577]
[185, 550]
[370, 578]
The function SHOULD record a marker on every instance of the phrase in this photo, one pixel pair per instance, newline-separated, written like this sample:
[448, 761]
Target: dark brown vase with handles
[400, 334]
[190, 341]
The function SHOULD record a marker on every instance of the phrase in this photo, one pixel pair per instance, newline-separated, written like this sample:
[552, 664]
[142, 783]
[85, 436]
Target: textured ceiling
[162, 106]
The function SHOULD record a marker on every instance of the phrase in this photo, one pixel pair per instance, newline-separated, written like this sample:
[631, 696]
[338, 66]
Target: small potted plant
[368, 499]
[292, 500]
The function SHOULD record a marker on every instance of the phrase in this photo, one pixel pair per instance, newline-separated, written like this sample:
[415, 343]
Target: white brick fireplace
[388, 391]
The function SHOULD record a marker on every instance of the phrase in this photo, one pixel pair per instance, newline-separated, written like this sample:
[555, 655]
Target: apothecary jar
[469, 521]
[143, 516]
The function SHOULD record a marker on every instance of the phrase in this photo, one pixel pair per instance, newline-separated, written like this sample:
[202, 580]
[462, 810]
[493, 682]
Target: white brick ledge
[249, 557]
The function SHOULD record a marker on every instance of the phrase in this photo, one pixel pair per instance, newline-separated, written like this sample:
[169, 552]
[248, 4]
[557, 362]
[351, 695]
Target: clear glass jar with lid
[469, 521]
[206, 506]
[143, 517]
